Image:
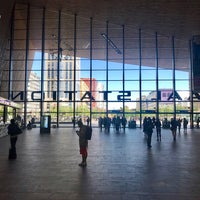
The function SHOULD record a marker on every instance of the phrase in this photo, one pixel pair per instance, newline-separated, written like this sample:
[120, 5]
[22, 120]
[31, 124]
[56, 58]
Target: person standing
[149, 130]
[83, 142]
[117, 123]
[88, 121]
[185, 123]
[108, 124]
[145, 125]
[13, 131]
[158, 129]
[100, 123]
[198, 120]
[124, 122]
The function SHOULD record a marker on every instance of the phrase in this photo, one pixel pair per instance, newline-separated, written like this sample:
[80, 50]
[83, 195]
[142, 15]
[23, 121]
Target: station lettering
[87, 96]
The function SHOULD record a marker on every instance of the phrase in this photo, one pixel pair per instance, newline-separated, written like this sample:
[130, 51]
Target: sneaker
[82, 164]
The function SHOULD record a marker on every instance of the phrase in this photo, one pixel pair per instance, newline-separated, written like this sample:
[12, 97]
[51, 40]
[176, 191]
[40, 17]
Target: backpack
[88, 132]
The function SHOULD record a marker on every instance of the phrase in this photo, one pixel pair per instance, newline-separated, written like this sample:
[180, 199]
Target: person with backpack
[83, 142]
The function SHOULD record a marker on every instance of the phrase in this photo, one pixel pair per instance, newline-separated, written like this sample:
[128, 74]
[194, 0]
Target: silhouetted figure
[185, 123]
[13, 131]
[149, 130]
[88, 121]
[117, 123]
[173, 127]
[132, 123]
[198, 120]
[114, 121]
[124, 122]
[108, 124]
[165, 124]
[83, 143]
[29, 125]
[100, 123]
[33, 120]
[179, 121]
[158, 129]
[145, 125]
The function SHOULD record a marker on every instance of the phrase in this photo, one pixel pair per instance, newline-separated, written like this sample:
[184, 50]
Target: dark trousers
[158, 131]
[12, 150]
[13, 140]
[149, 135]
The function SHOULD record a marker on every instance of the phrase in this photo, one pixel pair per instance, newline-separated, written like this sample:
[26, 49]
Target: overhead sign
[122, 96]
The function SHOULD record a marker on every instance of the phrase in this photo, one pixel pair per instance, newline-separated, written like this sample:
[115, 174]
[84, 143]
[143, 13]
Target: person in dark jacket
[173, 127]
[149, 130]
[158, 129]
[185, 123]
[13, 131]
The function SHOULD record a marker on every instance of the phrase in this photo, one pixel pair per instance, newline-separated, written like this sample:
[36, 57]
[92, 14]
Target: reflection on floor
[120, 166]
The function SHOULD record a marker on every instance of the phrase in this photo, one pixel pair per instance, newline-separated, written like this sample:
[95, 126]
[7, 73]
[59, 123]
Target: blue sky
[132, 75]
[148, 75]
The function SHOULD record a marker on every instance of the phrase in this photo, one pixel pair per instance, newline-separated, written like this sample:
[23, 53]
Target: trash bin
[45, 124]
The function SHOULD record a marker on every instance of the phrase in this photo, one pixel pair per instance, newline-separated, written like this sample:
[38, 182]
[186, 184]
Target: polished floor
[120, 166]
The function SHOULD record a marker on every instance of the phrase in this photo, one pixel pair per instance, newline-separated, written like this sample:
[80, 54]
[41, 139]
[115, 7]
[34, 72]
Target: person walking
[179, 121]
[83, 143]
[13, 131]
[173, 127]
[124, 122]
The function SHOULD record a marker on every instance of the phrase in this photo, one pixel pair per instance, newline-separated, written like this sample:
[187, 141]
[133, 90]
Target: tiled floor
[119, 167]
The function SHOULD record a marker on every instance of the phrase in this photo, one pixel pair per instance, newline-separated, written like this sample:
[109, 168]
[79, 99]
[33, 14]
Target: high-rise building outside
[33, 85]
[66, 78]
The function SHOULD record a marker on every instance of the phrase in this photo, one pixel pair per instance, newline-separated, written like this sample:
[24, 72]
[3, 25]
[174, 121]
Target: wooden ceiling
[167, 18]
[180, 18]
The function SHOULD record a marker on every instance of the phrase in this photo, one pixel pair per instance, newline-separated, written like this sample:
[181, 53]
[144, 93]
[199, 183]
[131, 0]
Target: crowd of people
[174, 125]
[149, 124]
[116, 122]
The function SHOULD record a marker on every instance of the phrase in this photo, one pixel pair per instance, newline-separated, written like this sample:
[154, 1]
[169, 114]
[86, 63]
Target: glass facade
[68, 66]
